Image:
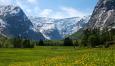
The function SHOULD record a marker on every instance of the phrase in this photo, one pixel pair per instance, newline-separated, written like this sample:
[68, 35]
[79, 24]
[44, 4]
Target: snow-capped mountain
[14, 23]
[50, 32]
[58, 28]
[69, 26]
[47, 27]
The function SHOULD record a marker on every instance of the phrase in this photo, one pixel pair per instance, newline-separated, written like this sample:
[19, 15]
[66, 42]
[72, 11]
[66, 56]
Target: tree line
[97, 37]
[16, 43]
[26, 43]
[90, 38]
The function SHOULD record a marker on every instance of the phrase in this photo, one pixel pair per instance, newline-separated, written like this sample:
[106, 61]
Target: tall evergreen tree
[92, 41]
[68, 42]
[84, 39]
[41, 42]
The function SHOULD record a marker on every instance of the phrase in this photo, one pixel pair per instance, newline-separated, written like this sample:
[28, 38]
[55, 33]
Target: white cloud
[46, 13]
[31, 8]
[32, 1]
[59, 15]
[6, 2]
[72, 12]
[63, 12]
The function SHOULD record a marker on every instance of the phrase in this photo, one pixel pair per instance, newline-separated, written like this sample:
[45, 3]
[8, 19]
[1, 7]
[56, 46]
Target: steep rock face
[14, 23]
[103, 15]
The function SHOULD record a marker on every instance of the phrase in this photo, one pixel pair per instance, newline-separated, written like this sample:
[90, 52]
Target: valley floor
[57, 56]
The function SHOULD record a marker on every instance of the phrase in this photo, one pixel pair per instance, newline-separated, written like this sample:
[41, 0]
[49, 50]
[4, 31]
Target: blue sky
[83, 5]
[54, 8]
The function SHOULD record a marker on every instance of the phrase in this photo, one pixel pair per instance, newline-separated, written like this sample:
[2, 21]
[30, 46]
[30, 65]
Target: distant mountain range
[14, 23]
[58, 28]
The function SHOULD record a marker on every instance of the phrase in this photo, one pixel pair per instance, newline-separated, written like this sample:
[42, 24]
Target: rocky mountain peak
[14, 23]
[10, 10]
[103, 15]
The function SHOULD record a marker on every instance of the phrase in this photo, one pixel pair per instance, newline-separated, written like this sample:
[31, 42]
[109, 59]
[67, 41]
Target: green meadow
[57, 56]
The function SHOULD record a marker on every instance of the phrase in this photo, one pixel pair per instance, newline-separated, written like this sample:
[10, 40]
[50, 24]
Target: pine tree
[92, 41]
[84, 40]
[41, 42]
[68, 42]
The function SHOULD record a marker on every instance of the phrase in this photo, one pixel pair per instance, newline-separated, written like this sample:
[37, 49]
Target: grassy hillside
[77, 35]
[57, 56]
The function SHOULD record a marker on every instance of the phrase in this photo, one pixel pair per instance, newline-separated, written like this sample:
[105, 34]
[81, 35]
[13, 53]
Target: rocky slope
[14, 23]
[46, 27]
[69, 26]
[103, 15]
[58, 28]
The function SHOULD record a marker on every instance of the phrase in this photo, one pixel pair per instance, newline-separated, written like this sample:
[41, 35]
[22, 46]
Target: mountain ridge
[14, 23]
[63, 27]
[103, 15]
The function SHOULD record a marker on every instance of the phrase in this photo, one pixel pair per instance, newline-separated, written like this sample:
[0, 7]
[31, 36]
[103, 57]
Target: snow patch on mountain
[47, 27]
[14, 23]
[58, 28]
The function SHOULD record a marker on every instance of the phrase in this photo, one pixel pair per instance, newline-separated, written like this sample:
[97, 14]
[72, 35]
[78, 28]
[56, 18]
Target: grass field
[57, 56]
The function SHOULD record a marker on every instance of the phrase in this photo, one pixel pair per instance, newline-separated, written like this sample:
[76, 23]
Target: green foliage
[68, 42]
[16, 43]
[92, 41]
[8, 43]
[41, 43]
[90, 38]
[77, 35]
[53, 42]
[84, 39]
[27, 44]
[5, 42]
[96, 37]
[75, 43]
